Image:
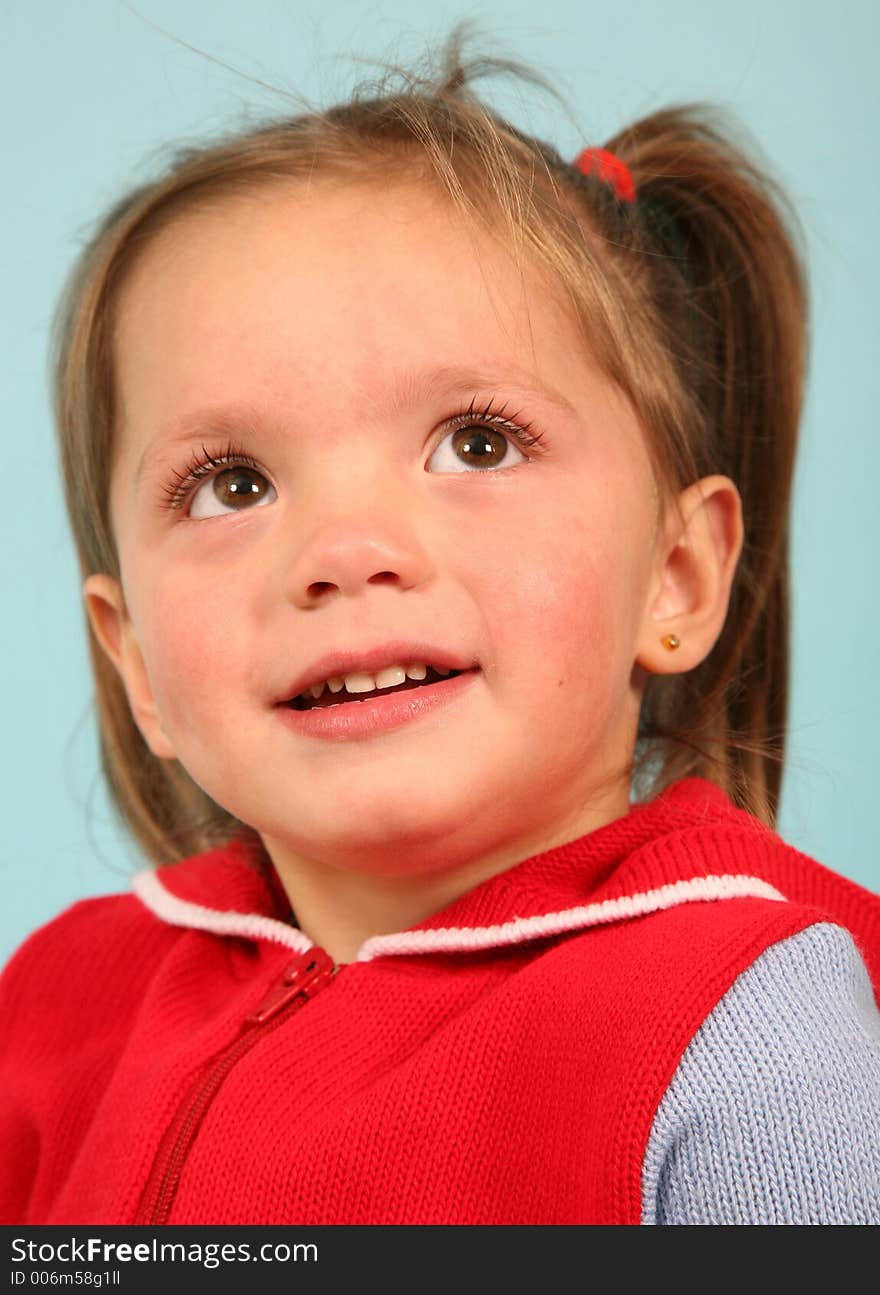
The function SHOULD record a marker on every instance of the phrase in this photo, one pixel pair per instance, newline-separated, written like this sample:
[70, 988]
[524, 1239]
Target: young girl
[394, 399]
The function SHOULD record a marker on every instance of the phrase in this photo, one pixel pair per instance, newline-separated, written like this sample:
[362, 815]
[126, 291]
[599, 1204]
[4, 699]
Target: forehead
[358, 277]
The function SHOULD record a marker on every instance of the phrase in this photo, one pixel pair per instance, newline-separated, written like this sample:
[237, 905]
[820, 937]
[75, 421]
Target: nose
[346, 554]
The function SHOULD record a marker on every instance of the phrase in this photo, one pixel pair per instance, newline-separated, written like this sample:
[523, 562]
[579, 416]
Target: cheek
[190, 645]
[556, 600]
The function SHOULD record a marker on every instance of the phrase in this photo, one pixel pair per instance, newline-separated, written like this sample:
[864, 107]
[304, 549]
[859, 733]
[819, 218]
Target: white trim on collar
[570, 919]
[180, 912]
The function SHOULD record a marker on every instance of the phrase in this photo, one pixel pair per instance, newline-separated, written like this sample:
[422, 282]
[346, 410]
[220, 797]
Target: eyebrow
[411, 390]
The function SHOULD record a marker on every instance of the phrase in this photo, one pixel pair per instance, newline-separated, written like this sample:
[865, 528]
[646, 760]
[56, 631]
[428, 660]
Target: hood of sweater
[690, 844]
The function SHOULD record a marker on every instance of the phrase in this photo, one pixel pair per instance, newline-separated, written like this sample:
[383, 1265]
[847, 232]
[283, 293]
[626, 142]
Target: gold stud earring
[671, 641]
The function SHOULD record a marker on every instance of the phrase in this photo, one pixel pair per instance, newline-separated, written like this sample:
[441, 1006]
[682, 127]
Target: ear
[110, 621]
[697, 554]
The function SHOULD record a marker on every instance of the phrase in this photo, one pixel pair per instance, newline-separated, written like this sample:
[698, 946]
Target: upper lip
[370, 660]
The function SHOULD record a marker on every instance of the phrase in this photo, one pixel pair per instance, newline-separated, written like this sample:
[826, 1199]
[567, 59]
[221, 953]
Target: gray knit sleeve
[773, 1115]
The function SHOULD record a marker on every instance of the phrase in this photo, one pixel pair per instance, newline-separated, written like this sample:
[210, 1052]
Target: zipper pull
[302, 978]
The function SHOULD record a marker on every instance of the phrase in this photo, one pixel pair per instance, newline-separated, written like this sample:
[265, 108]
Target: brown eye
[236, 488]
[483, 447]
[477, 447]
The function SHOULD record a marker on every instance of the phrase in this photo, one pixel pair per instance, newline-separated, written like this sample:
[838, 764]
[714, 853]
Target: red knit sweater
[184, 1055]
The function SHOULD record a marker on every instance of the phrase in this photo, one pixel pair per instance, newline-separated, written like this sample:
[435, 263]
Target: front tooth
[417, 671]
[359, 682]
[390, 676]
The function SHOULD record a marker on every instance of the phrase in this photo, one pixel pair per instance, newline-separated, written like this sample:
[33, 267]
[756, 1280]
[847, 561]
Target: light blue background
[91, 92]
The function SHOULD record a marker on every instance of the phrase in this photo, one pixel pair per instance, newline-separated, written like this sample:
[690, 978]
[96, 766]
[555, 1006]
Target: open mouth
[329, 698]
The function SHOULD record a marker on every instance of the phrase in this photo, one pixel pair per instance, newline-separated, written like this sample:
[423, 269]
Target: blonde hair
[693, 299]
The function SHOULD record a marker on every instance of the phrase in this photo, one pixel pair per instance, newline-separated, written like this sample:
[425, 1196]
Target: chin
[404, 823]
[387, 837]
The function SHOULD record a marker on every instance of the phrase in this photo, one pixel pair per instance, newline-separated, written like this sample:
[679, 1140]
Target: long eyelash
[176, 493]
[201, 465]
[522, 432]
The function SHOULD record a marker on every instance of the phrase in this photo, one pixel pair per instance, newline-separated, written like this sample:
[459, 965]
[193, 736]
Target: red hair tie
[608, 167]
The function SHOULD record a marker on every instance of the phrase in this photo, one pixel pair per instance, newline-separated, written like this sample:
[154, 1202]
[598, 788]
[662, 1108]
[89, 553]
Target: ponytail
[729, 298]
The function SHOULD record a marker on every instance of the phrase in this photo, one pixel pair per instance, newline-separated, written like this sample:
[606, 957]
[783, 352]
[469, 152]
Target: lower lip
[376, 714]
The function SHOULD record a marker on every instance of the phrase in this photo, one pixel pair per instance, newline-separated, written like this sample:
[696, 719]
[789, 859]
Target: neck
[339, 907]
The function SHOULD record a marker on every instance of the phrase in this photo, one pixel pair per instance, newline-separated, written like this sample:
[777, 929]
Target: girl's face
[331, 335]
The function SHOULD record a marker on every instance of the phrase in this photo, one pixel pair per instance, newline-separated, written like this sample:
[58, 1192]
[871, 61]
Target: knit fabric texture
[773, 1115]
[184, 1057]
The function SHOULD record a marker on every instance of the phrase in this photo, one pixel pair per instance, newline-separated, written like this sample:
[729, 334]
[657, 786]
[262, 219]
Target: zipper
[300, 981]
